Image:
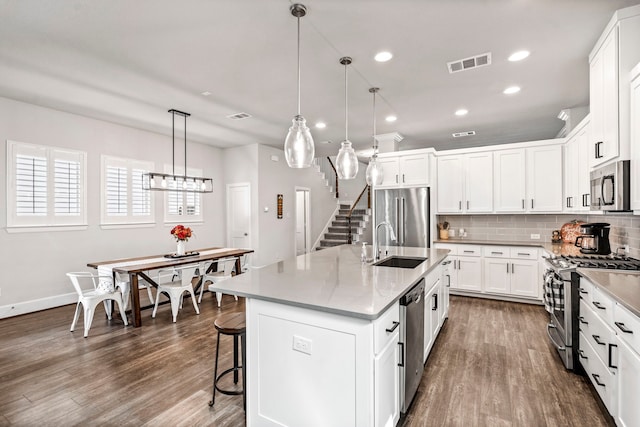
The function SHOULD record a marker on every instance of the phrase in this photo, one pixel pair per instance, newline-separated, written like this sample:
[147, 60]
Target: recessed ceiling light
[511, 90]
[321, 125]
[205, 93]
[461, 112]
[519, 55]
[391, 118]
[383, 56]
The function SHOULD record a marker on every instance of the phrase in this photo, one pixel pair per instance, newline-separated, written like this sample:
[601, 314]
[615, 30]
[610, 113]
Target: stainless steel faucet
[376, 252]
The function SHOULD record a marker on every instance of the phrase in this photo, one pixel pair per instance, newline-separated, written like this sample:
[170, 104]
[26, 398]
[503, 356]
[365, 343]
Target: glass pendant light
[347, 161]
[375, 173]
[298, 145]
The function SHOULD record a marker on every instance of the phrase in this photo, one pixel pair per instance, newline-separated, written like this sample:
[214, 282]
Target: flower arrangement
[181, 233]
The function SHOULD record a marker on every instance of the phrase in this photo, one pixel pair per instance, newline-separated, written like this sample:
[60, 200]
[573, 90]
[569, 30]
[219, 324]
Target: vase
[180, 250]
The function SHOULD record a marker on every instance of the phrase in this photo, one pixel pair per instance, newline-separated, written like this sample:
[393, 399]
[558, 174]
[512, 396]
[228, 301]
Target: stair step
[339, 229]
[354, 224]
[355, 211]
[329, 243]
[338, 236]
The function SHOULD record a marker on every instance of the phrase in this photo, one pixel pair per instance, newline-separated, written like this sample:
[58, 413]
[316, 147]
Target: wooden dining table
[137, 267]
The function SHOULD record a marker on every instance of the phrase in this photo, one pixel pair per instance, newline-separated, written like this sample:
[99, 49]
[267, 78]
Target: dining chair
[225, 271]
[245, 262]
[122, 282]
[174, 283]
[89, 298]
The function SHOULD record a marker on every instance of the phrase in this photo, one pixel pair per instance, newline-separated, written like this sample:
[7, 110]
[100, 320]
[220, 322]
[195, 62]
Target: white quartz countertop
[334, 280]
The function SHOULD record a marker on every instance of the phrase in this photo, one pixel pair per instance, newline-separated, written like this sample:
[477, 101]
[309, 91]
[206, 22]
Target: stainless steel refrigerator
[407, 210]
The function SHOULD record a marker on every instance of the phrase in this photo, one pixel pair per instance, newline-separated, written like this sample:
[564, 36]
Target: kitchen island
[322, 337]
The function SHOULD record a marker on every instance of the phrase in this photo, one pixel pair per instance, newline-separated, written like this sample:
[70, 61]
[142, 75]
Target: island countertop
[334, 280]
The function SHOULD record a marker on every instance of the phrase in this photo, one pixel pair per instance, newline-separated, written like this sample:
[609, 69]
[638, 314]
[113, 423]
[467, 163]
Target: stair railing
[335, 173]
[367, 189]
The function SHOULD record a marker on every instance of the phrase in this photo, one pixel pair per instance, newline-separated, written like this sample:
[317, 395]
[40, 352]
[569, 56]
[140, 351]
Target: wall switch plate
[301, 344]
[535, 236]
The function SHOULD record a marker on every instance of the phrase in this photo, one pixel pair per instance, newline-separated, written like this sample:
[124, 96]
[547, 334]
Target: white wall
[33, 265]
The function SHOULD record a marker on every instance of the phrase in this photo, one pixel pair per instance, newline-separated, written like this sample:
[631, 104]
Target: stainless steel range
[561, 297]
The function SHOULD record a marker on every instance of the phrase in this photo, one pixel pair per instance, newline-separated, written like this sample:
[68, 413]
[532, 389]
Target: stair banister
[335, 173]
[366, 188]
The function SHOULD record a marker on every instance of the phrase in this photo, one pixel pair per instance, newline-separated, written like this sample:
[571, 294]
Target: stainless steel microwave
[610, 187]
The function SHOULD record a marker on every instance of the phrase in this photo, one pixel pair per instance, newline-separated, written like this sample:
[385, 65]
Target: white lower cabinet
[628, 385]
[347, 365]
[387, 384]
[511, 271]
[431, 321]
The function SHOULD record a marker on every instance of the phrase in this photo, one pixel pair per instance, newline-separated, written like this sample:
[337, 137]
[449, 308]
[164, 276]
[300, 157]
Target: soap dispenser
[363, 254]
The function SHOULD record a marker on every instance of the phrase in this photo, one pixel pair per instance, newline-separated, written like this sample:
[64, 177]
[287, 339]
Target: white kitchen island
[322, 337]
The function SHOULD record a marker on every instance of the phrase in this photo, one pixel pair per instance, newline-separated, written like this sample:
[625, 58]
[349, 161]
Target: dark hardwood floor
[491, 366]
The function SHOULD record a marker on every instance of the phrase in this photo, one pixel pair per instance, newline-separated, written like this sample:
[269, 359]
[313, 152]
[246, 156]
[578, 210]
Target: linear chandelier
[172, 182]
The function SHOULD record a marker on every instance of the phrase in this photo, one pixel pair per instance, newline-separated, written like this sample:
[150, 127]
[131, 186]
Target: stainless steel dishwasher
[411, 343]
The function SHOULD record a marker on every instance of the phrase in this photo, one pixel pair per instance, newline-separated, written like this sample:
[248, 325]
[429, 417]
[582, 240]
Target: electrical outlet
[535, 236]
[301, 344]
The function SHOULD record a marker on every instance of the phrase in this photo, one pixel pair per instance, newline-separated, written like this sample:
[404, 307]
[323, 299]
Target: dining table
[139, 267]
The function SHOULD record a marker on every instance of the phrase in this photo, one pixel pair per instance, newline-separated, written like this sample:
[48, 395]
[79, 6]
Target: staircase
[338, 232]
[327, 174]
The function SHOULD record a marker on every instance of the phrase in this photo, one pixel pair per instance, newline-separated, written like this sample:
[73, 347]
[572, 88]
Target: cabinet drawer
[602, 304]
[627, 326]
[601, 378]
[452, 248]
[599, 335]
[385, 326]
[496, 251]
[524, 253]
[469, 250]
[585, 290]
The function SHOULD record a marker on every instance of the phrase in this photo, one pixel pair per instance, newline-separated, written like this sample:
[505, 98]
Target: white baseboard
[37, 305]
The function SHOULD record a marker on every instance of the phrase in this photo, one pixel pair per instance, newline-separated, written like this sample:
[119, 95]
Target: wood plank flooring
[491, 366]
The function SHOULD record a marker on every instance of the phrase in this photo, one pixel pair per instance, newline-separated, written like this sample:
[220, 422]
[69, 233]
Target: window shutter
[116, 188]
[31, 185]
[140, 198]
[67, 191]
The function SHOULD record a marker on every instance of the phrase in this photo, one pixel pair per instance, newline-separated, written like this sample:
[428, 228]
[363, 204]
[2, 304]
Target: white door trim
[307, 219]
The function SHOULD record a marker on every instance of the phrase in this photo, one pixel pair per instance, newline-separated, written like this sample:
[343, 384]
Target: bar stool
[231, 324]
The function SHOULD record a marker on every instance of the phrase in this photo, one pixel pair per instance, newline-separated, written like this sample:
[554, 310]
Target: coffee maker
[594, 238]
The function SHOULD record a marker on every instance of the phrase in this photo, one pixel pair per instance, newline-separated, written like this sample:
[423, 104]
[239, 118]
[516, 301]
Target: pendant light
[298, 145]
[375, 173]
[347, 161]
[173, 182]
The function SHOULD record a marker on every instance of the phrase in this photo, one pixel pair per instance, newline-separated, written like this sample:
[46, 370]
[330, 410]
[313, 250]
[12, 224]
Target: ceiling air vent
[469, 63]
[239, 116]
[467, 133]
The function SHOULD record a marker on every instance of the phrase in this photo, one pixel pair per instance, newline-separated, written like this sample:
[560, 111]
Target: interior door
[239, 215]
[302, 221]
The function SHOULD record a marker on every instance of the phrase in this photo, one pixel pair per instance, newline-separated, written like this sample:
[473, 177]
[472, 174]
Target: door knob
[246, 234]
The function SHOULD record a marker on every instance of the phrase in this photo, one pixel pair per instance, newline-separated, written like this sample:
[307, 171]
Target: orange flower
[180, 232]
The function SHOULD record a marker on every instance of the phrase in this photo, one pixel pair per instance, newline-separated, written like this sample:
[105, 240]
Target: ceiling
[128, 62]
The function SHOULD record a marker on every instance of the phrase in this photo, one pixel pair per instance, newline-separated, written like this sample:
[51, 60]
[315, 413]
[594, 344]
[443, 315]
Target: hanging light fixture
[375, 172]
[347, 161]
[173, 182]
[298, 145]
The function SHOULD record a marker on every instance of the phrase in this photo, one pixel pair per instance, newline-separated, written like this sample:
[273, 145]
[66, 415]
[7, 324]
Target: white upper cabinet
[509, 180]
[544, 178]
[528, 179]
[576, 169]
[635, 139]
[410, 170]
[465, 183]
[610, 62]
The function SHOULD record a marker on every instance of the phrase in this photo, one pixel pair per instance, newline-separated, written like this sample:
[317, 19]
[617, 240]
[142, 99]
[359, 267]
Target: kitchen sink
[400, 262]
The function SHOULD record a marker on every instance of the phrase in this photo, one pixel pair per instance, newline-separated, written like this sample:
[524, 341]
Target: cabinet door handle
[435, 302]
[460, 205]
[581, 354]
[567, 203]
[623, 328]
[581, 319]
[522, 203]
[496, 253]
[394, 327]
[596, 378]
[598, 154]
[513, 268]
[469, 252]
[507, 268]
[531, 203]
[611, 365]
[448, 281]
[596, 338]
[403, 178]
[401, 364]
[467, 204]
[582, 291]
[524, 254]
[598, 305]
[396, 178]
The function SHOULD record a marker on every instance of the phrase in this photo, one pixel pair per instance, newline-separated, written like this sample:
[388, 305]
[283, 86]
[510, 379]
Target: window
[123, 199]
[45, 186]
[183, 206]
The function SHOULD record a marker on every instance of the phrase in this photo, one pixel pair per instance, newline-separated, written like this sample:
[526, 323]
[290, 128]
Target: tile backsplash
[625, 228]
